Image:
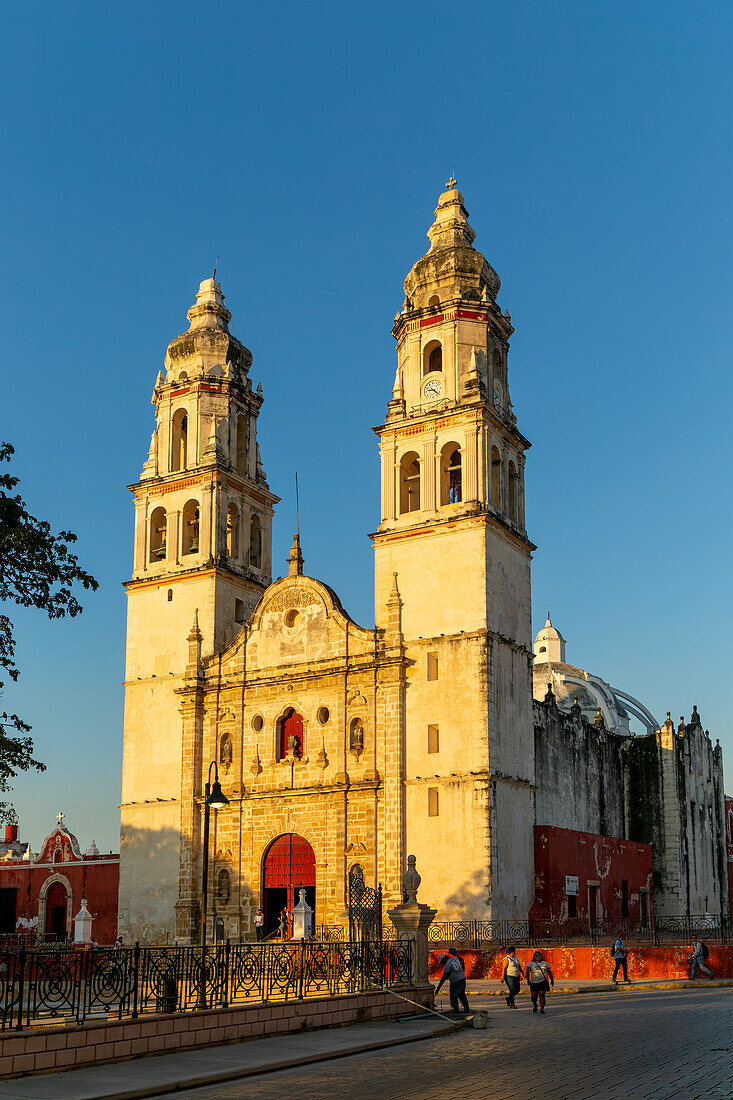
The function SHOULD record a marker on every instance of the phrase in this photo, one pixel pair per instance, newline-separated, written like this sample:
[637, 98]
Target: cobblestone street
[630, 1046]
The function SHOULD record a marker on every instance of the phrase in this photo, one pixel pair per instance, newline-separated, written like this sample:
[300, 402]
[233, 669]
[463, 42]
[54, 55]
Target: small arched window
[433, 301]
[497, 363]
[410, 483]
[496, 478]
[513, 493]
[432, 357]
[190, 540]
[255, 541]
[158, 535]
[451, 487]
[179, 443]
[242, 445]
[543, 649]
[233, 531]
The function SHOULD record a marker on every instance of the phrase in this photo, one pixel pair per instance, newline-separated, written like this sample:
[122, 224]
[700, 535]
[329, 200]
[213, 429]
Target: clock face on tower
[432, 389]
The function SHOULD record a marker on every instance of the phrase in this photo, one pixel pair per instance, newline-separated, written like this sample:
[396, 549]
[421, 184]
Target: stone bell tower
[452, 528]
[202, 545]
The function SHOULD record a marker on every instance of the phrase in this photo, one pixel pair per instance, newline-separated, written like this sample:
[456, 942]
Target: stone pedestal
[302, 919]
[83, 924]
[412, 921]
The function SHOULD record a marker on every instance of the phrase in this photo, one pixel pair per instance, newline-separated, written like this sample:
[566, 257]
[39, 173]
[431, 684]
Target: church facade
[339, 745]
[335, 744]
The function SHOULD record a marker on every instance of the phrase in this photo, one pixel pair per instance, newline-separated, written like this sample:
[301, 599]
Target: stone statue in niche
[356, 737]
[226, 752]
[223, 887]
[293, 748]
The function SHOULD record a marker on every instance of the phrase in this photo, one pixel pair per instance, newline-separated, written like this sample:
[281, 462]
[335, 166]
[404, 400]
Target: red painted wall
[645, 963]
[605, 860]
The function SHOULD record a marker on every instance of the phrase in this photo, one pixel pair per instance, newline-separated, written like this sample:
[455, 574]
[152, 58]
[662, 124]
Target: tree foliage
[36, 570]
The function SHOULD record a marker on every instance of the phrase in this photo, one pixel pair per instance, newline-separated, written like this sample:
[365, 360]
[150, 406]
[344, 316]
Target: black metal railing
[472, 933]
[79, 985]
[328, 933]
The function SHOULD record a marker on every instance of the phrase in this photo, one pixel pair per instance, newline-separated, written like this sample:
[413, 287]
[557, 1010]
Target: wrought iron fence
[580, 931]
[129, 981]
[328, 933]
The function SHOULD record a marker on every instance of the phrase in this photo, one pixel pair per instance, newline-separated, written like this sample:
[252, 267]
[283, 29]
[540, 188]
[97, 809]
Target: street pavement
[650, 1046]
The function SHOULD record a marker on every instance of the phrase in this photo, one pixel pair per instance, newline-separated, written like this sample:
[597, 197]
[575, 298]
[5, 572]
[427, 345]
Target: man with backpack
[618, 954]
[698, 957]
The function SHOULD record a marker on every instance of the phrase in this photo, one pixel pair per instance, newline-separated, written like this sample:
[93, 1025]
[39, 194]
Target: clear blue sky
[306, 145]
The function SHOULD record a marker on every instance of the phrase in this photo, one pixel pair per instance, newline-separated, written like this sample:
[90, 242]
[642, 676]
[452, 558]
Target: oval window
[323, 714]
[257, 723]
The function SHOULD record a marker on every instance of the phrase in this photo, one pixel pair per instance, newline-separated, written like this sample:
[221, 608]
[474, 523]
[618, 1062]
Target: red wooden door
[289, 865]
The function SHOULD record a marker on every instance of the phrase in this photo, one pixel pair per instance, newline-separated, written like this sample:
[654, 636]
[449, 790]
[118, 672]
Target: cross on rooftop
[452, 182]
[60, 818]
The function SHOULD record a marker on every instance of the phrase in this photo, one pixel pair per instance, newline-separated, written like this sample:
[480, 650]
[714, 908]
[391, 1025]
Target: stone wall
[664, 789]
[56, 1048]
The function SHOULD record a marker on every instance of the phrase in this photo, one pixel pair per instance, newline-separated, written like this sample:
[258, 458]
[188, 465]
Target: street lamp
[214, 799]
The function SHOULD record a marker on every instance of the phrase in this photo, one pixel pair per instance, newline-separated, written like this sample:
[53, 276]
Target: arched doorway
[56, 912]
[289, 865]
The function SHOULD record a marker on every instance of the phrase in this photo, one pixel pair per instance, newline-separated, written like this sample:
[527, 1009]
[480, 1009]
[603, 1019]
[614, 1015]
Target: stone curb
[286, 1063]
[632, 987]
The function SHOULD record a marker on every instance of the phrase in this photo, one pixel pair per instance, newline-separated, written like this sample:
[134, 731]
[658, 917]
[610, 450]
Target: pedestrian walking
[540, 979]
[697, 959]
[455, 975]
[119, 942]
[511, 975]
[259, 925]
[619, 953]
[283, 925]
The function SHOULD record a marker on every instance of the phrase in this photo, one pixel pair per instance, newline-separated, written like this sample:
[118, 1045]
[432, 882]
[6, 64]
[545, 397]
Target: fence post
[135, 978]
[21, 988]
[225, 983]
[301, 976]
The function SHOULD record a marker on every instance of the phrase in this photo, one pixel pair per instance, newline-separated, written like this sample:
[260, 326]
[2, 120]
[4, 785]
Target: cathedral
[341, 746]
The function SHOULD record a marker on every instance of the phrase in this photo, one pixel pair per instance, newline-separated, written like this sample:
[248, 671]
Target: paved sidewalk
[155, 1075]
[476, 987]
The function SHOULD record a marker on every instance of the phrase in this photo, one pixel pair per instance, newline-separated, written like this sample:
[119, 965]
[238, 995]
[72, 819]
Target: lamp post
[214, 798]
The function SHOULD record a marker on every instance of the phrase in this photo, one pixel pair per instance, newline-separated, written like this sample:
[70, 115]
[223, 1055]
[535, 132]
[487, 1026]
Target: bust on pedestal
[412, 921]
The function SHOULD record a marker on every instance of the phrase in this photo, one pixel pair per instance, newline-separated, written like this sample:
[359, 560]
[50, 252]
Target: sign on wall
[572, 885]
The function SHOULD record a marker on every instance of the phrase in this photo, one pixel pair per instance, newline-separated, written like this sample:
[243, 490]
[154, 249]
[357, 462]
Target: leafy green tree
[36, 570]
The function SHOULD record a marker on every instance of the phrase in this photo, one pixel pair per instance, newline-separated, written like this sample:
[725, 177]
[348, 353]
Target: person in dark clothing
[455, 975]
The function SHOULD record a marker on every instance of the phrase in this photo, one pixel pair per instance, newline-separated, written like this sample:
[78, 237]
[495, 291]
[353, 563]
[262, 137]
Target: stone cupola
[451, 268]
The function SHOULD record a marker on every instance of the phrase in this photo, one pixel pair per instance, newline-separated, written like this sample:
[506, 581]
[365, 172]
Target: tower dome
[549, 645]
[451, 268]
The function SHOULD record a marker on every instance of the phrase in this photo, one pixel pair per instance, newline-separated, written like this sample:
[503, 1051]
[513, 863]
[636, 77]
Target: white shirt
[619, 950]
[259, 920]
[537, 971]
[512, 967]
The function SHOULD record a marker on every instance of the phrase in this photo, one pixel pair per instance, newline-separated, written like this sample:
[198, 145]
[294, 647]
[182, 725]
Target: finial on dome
[452, 182]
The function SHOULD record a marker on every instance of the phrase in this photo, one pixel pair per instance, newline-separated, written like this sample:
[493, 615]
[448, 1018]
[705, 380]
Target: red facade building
[42, 894]
[591, 877]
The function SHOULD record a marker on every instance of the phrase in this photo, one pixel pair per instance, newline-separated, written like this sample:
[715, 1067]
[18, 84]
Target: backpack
[613, 952]
[705, 951]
